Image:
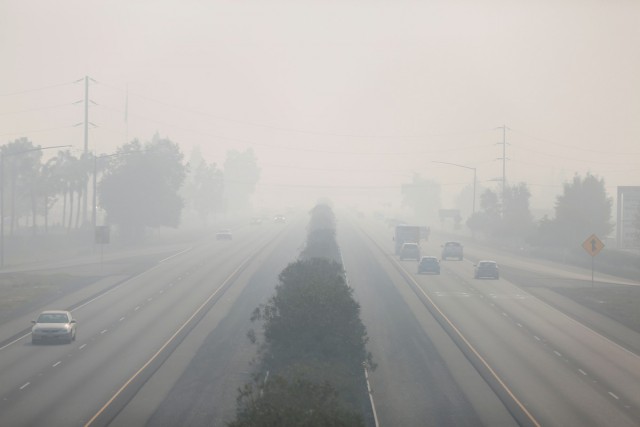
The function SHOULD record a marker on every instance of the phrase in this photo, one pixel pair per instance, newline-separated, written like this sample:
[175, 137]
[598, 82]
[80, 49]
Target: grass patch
[621, 303]
[21, 292]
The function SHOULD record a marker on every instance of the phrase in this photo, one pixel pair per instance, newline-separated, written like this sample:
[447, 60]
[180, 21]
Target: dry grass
[21, 292]
[621, 303]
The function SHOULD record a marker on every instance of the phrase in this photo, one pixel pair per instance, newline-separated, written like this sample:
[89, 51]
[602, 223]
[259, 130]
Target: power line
[51, 107]
[36, 89]
[288, 129]
[556, 156]
[314, 150]
[36, 131]
[573, 147]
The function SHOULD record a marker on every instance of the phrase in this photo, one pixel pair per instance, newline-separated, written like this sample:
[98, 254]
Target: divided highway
[124, 332]
[558, 371]
[168, 346]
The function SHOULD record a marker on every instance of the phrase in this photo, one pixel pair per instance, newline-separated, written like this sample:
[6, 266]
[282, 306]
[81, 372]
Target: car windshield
[53, 318]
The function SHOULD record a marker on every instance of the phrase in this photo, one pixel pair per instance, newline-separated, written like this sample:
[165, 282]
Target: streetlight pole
[2, 156]
[474, 180]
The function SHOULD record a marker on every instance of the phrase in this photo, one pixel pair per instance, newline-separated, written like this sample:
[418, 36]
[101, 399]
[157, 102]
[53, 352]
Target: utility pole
[86, 144]
[504, 159]
[126, 115]
[86, 124]
[86, 114]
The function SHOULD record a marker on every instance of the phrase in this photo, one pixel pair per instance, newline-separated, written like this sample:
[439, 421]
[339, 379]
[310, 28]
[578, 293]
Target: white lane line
[373, 405]
[24, 386]
[161, 291]
[582, 372]
[121, 319]
[614, 396]
[137, 308]
[519, 325]
[82, 346]
[505, 314]
[170, 284]
[536, 337]
[14, 341]
[150, 299]
[103, 331]
[122, 283]
[557, 353]
[56, 364]
[162, 348]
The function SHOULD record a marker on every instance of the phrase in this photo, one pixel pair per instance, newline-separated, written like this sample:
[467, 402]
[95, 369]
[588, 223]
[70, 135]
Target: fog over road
[562, 372]
[558, 370]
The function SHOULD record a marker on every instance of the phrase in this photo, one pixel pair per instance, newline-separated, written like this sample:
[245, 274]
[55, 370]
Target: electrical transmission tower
[504, 159]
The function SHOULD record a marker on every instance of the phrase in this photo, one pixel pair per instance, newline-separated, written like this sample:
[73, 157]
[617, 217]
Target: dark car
[452, 250]
[486, 270]
[53, 325]
[429, 264]
[410, 251]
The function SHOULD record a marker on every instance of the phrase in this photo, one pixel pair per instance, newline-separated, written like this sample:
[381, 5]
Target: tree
[487, 220]
[423, 197]
[583, 209]
[21, 170]
[140, 187]
[321, 235]
[292, 403]
[464, 200]
[517, 221]
[241, 175]
[204, 186]
[313, 316]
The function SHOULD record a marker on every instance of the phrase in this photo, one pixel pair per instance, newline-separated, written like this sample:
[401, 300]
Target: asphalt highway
[557, 370]
[167, 346]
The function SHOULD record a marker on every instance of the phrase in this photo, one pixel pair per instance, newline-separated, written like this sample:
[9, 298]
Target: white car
[54, 325]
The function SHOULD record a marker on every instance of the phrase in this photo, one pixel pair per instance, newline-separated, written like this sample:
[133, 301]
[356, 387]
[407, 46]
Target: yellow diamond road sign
[593, 245]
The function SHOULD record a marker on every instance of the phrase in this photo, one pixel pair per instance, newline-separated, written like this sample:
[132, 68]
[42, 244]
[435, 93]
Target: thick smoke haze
[341, 99]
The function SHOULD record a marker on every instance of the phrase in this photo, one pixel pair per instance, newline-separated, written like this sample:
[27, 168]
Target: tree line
[583, 208]
[312, 343]
[141, 185]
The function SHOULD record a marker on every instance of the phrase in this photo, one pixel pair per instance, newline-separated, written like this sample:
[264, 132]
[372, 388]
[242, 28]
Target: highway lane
[198, 384]
[563, 372]
[422, 378]
[117, 333]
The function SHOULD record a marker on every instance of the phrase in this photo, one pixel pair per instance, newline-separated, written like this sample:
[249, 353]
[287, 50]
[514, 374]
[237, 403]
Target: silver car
[54, 325]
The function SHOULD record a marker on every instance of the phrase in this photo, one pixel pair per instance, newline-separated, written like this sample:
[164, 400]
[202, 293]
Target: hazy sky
[345, 98]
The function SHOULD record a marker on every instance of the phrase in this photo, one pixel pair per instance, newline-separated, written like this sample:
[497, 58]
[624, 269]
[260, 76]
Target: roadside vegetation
[143, 185]
[311, 343]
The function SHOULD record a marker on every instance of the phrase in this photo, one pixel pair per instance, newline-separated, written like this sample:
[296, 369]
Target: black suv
[452, 250]
[486, 270]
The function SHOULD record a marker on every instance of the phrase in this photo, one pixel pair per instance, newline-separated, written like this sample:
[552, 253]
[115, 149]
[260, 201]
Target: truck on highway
[405, 234]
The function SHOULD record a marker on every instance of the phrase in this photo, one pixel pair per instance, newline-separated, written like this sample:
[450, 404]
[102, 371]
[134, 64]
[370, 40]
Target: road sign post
[593, 245]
